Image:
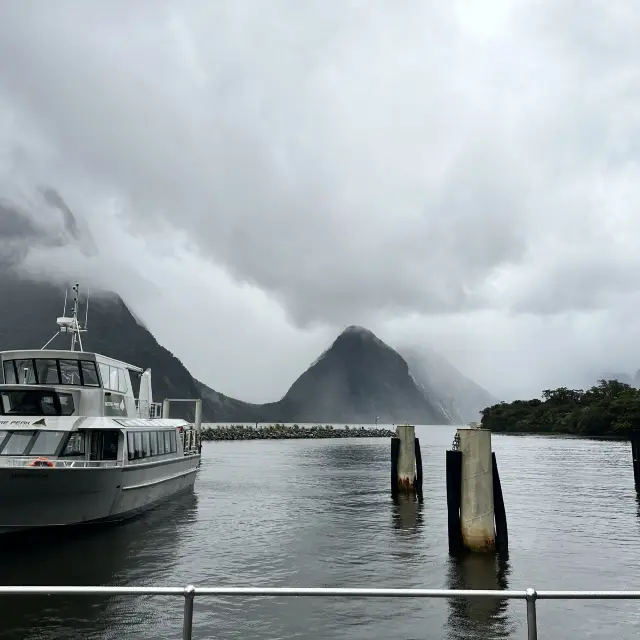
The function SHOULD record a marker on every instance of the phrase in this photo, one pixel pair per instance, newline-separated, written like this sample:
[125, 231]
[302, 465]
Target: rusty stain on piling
[406, 485]
[483, 543]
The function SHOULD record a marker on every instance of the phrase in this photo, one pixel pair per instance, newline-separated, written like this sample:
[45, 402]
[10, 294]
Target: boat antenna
[71, 325]
[75, 333]
[86, 311]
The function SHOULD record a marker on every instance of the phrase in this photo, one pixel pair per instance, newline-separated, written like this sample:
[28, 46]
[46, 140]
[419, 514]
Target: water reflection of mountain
[117, 554]
[478, 617]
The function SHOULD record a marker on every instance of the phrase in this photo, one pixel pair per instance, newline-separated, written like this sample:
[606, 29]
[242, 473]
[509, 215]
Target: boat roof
[65, 354]
[73, 423]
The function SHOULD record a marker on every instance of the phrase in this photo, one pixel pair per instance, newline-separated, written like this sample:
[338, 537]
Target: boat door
[104, 445]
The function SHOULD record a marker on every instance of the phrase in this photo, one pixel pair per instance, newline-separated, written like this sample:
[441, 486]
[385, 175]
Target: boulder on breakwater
[290, 432]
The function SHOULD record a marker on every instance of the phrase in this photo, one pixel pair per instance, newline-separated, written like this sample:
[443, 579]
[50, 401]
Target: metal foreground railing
[189, 592]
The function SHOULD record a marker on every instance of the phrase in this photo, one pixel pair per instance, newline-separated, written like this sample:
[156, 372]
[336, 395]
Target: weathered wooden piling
[635, 456]
[500, 513]
[477, 519]
[406, 462]
[454, 476]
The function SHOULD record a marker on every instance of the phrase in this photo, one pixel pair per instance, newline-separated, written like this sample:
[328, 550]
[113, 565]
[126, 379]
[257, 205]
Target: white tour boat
[77, 446]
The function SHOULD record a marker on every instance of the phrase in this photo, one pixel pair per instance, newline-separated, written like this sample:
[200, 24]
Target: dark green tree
[610, 408]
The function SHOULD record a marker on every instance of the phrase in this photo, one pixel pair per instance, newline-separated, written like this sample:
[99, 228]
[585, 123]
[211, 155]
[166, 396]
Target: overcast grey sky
[257, 175]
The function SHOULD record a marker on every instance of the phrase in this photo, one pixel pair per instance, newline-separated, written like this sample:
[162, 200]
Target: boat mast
[75, 332]
[71, 325]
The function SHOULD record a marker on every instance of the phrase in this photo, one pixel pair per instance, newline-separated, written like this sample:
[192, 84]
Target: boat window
[153, 436]
[48, 404]
[167, 442]
[3, 435]
[35, 402]
[104, 374]
[107, 444]
[67, 407]
[75, 445]
[23, 403]
[89, 373]
[130, 446]
[47, 371]
[52, 371]
[137, 436]
[17, 443]
[113, 378]
[26, 372]
[9, 373]
[46, 443]
[122, 381]
[70, 372]
[174, 446]
[146, 444]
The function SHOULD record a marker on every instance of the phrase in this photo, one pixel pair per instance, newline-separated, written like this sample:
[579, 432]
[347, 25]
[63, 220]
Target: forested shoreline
[610, 408]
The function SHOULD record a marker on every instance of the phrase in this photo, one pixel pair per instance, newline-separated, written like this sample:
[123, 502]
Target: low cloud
[329, 164]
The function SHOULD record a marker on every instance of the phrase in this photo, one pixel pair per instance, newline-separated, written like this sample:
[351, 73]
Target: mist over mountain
[461, 398]
[357, 379]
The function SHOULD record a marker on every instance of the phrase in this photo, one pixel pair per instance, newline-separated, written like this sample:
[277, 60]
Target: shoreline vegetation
[608, 409]
[290, 432]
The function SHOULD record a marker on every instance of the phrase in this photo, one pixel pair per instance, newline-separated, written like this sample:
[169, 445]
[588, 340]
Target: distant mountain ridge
[357, 379]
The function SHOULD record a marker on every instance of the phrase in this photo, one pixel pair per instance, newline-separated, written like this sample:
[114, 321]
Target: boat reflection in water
[125, 553]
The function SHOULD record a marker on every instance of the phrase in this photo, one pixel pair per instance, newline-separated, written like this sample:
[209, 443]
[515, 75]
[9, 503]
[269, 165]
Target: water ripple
[318, 513]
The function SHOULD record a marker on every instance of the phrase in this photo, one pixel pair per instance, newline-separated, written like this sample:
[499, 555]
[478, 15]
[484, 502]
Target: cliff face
[358, 379]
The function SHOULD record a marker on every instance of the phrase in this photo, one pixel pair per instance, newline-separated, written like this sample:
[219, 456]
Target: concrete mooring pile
[477, 519]
[406, 463]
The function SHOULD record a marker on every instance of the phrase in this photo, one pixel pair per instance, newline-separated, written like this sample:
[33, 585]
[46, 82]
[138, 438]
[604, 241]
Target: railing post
[187, 624]
[532, 623]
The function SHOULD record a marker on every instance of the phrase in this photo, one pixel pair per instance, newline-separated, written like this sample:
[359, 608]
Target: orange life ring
[41, 462]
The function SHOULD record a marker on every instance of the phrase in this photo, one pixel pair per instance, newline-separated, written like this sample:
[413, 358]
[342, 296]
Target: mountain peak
[356, 329]
[362, 334]
[359, 379]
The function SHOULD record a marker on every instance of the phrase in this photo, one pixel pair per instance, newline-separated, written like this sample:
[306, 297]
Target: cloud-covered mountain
[358, 379]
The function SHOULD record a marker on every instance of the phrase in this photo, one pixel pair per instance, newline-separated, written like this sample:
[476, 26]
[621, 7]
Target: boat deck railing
[28, 461]
[154, 408]
[189, 593]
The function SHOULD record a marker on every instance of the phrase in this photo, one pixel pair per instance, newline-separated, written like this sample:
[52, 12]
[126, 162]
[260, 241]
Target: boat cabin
[67, 383]
[108, 445]
[71, 393]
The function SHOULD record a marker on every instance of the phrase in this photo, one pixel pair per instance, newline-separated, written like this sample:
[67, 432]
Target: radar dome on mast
[70, 324]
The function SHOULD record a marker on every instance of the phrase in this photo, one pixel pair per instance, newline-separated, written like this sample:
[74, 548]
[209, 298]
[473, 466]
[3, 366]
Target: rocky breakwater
[290, 432]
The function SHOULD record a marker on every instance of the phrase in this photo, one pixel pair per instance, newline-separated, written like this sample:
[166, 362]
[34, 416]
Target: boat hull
[36, 498]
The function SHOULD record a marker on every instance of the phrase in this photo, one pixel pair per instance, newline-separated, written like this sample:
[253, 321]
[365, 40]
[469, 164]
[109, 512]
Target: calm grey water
[318, 513]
